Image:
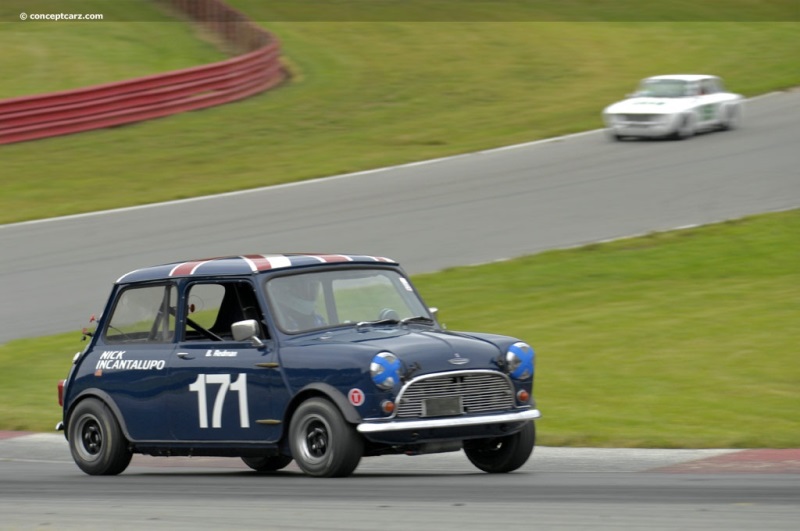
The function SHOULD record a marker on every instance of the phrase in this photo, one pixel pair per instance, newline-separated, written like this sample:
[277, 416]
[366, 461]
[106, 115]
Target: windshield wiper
[417, 319]
[379, 322]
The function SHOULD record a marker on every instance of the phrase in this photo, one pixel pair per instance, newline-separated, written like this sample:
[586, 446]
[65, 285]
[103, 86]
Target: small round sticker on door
[356, 397]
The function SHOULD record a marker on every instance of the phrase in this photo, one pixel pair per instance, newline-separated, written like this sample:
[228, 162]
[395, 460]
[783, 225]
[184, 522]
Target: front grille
[480, 392]
[640, 118]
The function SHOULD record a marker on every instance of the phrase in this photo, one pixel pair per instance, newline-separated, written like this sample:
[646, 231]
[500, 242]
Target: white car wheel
[731, 118]
[686, 127]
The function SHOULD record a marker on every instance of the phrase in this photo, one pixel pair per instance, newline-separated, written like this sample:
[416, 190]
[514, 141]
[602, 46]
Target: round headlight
[520, 361]
[385, 370]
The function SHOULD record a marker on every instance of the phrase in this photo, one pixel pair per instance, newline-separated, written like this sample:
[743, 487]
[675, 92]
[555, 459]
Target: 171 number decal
[224, 381]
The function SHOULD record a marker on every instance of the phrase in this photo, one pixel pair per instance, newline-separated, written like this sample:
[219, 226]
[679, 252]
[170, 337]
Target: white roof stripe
[198, 265]
[250, 263]
[278, 260]
[128, 273]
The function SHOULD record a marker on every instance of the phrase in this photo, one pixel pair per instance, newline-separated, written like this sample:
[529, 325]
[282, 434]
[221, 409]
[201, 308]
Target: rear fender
[106, 399]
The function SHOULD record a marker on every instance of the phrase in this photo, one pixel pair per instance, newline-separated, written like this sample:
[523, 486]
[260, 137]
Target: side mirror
[244, 330]
[435, 313]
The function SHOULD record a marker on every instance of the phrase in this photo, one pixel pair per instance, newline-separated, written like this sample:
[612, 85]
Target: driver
[296, 298]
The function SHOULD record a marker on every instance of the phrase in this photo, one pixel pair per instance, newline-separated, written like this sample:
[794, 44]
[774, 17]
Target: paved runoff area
[25, 446]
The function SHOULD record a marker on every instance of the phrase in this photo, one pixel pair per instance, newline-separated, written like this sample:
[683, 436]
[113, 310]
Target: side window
[143, 315]
[708, 86]
[214, 307]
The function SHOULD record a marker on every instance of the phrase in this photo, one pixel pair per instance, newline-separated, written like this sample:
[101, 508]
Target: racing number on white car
[224, 381]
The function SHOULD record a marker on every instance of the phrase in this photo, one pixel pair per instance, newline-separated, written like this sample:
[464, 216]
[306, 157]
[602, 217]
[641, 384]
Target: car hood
[428, 349]
[650, 106]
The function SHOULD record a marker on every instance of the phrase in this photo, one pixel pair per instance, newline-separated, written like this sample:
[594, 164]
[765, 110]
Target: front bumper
[376, 426]
[651, 126]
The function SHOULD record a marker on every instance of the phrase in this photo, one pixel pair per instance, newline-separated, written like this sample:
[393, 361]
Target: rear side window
[143, 315]
[213, 307]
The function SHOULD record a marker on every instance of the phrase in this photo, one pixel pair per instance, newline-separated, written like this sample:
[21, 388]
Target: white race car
[674, 106]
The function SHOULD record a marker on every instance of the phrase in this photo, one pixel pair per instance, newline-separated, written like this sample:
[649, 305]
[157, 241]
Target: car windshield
[321, 299]
[663, 88]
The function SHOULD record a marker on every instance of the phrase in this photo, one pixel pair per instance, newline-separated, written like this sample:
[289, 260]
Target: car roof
[684, 77]
[244, 265]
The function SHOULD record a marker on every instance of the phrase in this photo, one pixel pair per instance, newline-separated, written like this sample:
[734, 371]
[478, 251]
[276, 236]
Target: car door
[221, 389]
[708, 111]
[132, 353]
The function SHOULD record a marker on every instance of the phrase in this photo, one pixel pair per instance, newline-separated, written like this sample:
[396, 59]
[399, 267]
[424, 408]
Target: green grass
[51, 56]
[363, 95]
[685, 339]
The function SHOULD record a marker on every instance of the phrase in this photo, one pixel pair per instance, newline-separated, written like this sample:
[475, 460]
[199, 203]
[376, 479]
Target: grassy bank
[683, 339]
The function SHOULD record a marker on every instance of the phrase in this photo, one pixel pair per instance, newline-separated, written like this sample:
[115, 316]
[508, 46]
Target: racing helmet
[298, 292]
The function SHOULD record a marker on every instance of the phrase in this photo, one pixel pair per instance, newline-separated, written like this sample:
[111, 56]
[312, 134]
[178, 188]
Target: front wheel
[323, 444]
[502, 454]
[96, 441]
[269, 463]
[686, 128]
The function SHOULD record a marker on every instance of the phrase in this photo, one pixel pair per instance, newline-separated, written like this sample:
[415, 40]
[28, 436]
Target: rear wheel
[96, 441]
[502, 454]
[323, 444]
[270, 463]
[731, 118]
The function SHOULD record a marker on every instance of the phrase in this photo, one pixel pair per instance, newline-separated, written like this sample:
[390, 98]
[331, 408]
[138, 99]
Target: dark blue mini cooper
[320, 359]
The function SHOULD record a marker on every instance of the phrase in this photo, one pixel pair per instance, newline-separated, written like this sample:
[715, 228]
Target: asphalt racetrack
[559, 488]
[462, 210]
[458, 211]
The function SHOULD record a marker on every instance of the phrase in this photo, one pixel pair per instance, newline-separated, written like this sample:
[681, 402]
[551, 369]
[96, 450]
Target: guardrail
[145, 98]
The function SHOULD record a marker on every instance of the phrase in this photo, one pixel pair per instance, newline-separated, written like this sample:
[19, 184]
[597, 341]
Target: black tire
[499, 455]
[270, 463]
[96, 441]
[687, 128]
[731, 120]
[323, 444]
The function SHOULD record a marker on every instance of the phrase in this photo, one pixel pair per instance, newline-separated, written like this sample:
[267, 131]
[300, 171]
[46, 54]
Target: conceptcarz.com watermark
[60, 16]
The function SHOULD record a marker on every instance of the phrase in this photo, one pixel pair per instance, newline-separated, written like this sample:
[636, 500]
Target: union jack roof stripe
[187, 268]
[244, 264]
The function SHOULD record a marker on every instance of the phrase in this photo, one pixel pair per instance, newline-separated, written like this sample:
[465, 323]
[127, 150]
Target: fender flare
[328, 391]
[103, 397]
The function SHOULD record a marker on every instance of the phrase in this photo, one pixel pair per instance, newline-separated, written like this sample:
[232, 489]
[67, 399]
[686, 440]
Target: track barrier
[256, 69]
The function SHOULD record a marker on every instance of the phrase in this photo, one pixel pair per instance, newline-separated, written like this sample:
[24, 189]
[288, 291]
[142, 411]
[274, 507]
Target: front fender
[334, 395]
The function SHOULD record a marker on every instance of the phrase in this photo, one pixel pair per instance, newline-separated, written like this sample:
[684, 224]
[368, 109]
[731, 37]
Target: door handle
[268, 365]
[185, 356]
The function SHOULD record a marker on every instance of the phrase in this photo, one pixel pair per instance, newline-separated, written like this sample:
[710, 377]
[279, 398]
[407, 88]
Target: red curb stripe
[761, 461]
[13, 434]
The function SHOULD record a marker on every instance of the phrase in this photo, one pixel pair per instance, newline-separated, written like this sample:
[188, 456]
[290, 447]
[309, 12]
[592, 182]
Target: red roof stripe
[186, 268]
[258, 262]
[251, 260]
[261, 262]
[334, 258]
